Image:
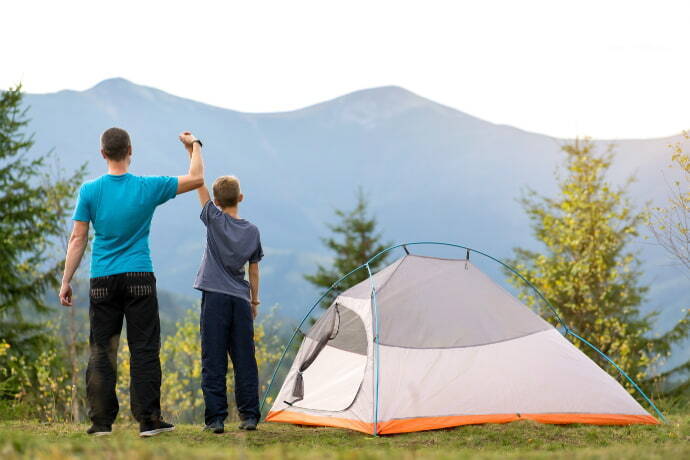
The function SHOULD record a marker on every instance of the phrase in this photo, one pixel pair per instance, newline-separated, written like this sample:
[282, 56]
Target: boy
[229, 305]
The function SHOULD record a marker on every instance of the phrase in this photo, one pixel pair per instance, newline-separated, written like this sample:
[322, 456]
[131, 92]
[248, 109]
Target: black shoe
[148, 429]
[100, 430]
[217, 427]
[248, 424]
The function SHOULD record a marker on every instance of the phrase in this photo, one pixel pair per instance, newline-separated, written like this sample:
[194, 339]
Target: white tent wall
[541, 376]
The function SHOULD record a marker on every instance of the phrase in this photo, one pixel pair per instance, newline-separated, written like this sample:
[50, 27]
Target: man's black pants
[227, 327]
[112, 298]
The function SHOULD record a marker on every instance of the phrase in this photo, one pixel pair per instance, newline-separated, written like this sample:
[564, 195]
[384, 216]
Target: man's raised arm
[75, 251]
[195, 177]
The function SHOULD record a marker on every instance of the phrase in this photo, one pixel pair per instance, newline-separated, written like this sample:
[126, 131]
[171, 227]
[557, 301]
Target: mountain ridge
[124, 83]
[432, 172]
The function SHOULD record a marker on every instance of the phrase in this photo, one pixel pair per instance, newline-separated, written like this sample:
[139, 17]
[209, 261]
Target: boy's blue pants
[227, 327]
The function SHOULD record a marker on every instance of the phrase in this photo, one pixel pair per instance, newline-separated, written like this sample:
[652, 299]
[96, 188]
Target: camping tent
[454, 348]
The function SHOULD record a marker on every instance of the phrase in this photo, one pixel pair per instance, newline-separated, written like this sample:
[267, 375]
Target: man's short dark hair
[115, 143]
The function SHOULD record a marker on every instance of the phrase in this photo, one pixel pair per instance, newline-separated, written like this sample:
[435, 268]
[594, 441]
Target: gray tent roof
[427, 302]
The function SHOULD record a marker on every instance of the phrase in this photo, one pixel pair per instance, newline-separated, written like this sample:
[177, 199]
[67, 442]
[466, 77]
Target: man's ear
[240, 198]
[105, 157]
[217, 203]
[129, 151]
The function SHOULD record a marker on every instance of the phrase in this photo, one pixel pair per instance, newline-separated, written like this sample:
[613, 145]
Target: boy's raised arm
[204, 196]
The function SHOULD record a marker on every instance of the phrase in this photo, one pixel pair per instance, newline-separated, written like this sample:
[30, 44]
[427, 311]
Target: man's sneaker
[248, 424]
[100, 430]
[148, 429]
[216, 427]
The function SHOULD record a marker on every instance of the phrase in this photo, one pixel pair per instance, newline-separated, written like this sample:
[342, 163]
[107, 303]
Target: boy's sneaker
[248, 424]
[100, 430]
[148, 429]
[216, 427]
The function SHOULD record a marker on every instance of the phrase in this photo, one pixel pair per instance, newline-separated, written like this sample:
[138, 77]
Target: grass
[22, 439]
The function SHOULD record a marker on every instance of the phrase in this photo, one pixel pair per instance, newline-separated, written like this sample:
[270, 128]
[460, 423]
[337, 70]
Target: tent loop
[407, 251]
[335, 331]
[467, 257]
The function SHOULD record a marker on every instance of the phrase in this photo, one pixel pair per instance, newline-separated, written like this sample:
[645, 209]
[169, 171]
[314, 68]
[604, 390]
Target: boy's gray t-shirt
[230, 244]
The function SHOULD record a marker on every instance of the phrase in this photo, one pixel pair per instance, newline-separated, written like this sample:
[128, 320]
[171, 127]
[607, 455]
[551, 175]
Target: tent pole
[632, 382]
[375, 312]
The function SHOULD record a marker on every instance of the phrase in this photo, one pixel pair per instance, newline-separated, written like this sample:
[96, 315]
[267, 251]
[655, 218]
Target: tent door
[333, 361]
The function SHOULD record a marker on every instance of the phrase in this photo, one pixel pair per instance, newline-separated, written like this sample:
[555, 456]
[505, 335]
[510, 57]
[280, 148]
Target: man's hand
[66, 295]
[255, 308]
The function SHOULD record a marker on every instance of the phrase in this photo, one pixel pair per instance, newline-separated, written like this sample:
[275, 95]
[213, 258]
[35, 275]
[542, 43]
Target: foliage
[181, 396]
[671, 224]
[40, 383]
[354, 242]
[587, 271]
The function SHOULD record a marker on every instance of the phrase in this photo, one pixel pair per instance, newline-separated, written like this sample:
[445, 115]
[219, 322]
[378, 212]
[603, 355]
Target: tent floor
[432, 423]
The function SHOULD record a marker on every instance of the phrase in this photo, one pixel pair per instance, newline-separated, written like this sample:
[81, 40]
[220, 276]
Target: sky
[607, 69]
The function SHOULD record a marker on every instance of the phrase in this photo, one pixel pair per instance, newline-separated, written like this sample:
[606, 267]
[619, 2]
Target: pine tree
[355, 240]
[29, 227]
[587, 270]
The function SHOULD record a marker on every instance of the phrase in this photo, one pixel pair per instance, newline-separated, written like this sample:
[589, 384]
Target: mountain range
[431, 173]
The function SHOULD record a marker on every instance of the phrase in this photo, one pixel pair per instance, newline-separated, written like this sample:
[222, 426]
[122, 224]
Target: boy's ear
[103, 154]
[240, 198]
[216, 202]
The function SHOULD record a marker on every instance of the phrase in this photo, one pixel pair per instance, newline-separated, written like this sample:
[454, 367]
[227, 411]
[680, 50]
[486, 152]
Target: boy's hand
[255, 308]
[187, 139]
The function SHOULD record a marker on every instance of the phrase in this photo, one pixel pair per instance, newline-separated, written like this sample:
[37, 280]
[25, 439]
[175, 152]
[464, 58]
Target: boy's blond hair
[226, 191]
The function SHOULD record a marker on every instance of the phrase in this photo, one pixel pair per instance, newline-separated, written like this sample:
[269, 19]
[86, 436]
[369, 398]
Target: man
[120, 205]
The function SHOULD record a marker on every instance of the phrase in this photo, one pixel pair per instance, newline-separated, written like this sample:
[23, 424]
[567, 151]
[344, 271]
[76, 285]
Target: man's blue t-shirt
[120, 209]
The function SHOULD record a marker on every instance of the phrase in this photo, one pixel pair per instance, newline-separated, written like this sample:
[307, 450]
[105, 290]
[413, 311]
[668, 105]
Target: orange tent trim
[432, 423]
[298, 418]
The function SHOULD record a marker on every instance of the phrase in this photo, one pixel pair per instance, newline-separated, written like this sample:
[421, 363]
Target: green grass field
[514, 440]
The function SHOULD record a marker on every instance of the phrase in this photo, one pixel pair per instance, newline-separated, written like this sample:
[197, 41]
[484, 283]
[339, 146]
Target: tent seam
[548, 329]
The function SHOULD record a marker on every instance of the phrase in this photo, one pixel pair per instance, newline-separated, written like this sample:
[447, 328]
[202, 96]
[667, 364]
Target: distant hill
[431, 172]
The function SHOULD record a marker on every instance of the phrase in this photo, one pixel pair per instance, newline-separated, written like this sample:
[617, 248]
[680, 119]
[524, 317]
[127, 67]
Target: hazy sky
[602, 68]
